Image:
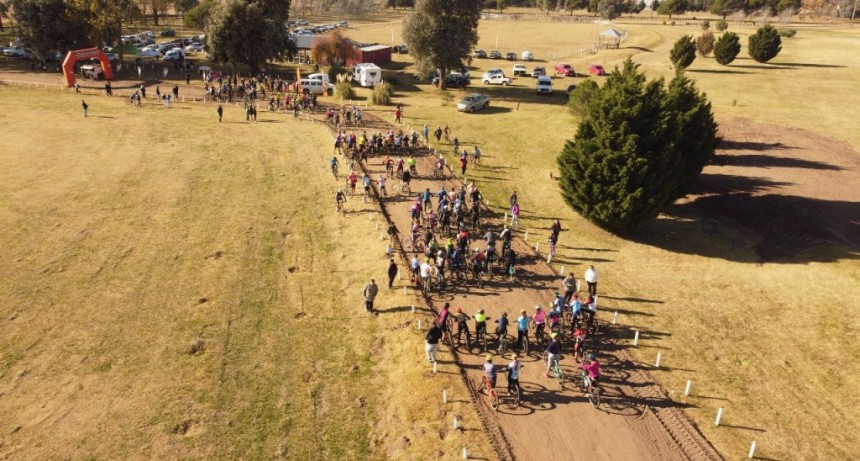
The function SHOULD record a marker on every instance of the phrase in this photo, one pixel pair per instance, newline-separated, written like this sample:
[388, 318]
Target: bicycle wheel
[483, 341]
[494, 399]
[559, 375]
[594, 397]
[513, 401]
[526, 345]
[503, 345]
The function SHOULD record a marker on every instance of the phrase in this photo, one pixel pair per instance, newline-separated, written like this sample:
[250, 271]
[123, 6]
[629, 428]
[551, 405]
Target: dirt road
[636, 419]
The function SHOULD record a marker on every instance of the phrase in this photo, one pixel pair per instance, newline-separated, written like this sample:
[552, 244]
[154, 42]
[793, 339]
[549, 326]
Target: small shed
[610, 38]
[376, 54]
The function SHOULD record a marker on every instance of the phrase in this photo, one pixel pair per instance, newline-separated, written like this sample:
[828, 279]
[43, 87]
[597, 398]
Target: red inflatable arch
[84, 55]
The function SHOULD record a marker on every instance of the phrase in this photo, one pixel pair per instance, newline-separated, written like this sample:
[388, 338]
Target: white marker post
[719, 416]
[527, 233]
[689, 387]
[659, 356]
[562, 271]
[413, 308]
[444, 395]
[537, 248]
[434, 367]
[457, 424]
[635, 337]
[506, 218]
[549, 258]
[752, 450]
[404, 290]
[377, 226]
[465, 453]
[419, 324]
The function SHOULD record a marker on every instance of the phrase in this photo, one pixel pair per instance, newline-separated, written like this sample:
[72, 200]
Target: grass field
[175, 288]
[133, 241]
[785, 374]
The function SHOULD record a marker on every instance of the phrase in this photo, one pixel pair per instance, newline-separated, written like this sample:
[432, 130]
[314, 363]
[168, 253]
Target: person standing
[188, 78]
[591, 280]
[370, 291]
[431, 342]
[426, 132]
[463, 163]
[515, 216]
[397, 114]
[392, 272]
[142, 91]
[569, 284]
[175, 91]
[85, 107]
[220, 112]
[513, 201]
[514, 374]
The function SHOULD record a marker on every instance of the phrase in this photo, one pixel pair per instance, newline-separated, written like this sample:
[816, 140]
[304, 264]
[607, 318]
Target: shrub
[705, 43]
[787, 32]
[726, 49]
[684, 52]
[765, 44]
[334, 71]
[638, 149]
[722, 25]
[382, 93]
[706, 24]
[343, 90]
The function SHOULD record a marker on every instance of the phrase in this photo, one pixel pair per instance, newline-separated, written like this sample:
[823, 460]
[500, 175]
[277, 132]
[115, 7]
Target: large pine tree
[637, 150]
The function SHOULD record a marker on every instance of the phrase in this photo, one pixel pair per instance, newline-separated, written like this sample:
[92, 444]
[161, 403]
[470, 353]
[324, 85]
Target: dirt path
[636, 420]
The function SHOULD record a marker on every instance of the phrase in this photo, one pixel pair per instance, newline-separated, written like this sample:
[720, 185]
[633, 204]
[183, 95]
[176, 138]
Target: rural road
[636, 419]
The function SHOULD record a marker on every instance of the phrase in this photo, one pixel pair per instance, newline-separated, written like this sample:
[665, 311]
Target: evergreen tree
[727, 47]
[637, 150]
[765, 44]
[671, 7]
[684, 52]
[441, 33]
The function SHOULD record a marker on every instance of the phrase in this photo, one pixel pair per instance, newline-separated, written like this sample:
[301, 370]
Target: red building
[377, 54]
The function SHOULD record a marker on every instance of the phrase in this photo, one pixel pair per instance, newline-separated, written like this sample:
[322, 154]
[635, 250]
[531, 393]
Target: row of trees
[762, 46]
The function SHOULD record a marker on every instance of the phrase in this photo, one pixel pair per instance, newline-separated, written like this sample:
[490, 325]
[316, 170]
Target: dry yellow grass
[775, 344]
[175, 288]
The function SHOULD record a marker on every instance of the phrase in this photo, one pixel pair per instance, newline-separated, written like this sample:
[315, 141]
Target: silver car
[474, 102]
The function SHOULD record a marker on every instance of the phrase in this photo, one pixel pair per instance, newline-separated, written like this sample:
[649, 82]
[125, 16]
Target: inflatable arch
[84, 55]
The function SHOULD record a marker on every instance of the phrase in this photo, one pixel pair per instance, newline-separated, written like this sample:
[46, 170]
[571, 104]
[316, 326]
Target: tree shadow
[728, 144]
[639, 48]
[812, 65]
[769, 161]
[717, 71]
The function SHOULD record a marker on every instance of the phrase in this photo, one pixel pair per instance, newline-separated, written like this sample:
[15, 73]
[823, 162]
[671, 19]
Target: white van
[367, 74]
[544, 84]
[315, 86]
[527, 56]
[320, 76]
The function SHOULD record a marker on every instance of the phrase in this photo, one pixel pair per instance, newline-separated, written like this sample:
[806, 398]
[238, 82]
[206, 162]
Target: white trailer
[367, 74]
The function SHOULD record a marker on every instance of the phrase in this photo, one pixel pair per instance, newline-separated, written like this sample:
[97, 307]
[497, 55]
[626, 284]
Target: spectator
[85, 107]
[369, 292]
[392, 272]
[431, 342]
[591, 280]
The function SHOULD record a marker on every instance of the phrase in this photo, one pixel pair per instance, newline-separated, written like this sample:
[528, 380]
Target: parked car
[453, 80]
[92, 71]
[302, 22]
[176, 54]
[538, 71]
[473, 102]
[168, 33]
[511, 56]
[519, 69]
[495, 54]
[569, 90]
[402, 49]
[17, 52]
[596, 69]
[195, 47]
[315, 86]
[149, 53]
[493, 71]
[544, 84]
[527, 56]
[343, 24]
[497, 79]
[480, 54]
[565, 69]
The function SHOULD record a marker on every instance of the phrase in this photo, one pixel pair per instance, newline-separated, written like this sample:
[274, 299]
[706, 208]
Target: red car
[595, 69]
[565, 69]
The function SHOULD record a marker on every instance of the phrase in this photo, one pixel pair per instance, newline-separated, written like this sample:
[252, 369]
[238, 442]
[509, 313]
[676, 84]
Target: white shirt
[591, 275]
[425, 270]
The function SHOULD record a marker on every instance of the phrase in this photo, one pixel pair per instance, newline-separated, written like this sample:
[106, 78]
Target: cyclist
[510, 260]
[415, 267]
[514, 374]
[389, 166]
[456, 144]
[592, 367]
[539, 320]
[476, 155]
[553, 350]
[462, 324]
[490, 370]
[426, 271]
[506, 237]
[426, 133]
[382, 185]
[580, 334]
[400, 166]
[440, 166]
[558, 304]
[522, 328]
[392, 233]
[411, 163]
[478, 263]
[426, 199]
[480, 323]
[502, 329]
[339, 198]
[352, 179]
[575, 309]
[365, 180]
[443, 317]
[334, 164]
[406, 177]
[569, 284]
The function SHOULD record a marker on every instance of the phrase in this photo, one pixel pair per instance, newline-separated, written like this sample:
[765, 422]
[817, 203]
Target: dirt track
[636, 419]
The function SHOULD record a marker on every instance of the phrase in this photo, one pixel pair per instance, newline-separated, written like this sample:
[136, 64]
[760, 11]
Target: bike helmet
[537, 308]
[459, 310]
[489, 357]
[480, 311]
[513, 356]
[523, 312]
[553, 336]
[592, 356]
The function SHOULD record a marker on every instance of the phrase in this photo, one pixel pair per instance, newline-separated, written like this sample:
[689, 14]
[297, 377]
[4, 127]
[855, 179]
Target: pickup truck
[497, 79]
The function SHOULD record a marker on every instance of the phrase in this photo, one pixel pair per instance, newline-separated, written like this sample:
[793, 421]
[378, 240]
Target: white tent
[611, 38]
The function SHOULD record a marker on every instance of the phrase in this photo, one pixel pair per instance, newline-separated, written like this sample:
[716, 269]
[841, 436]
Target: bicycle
[403, 187]
[482, 337]
[334, 170]
[415, 243]
[513, 398]
[425, 285]
[492, 395]
[503, 344]
[557, 371]
[525, 343]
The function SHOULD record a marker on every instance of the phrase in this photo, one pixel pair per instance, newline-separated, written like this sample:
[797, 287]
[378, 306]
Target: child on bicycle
[553, 350]
[462, 324]
[514, 374]
[592, 367]
[522, 328]
[443, 317]
[490, 370]
[339, 198]
[480, 323]
[539, 320]
[502, 328]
